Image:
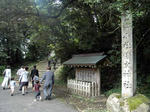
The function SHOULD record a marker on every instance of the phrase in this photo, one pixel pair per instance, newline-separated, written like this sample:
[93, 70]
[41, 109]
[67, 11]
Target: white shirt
[20, 71]
[24, 76]
[8, 73]
[12, 83]
[36, 78]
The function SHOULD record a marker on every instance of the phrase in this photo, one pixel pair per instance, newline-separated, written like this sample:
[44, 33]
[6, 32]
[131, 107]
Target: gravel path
[20, 103]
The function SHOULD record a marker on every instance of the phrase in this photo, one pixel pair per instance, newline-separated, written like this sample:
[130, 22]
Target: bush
[110, 78]
[1, 79]
[64, 72]
[2, 68]
[115, 90]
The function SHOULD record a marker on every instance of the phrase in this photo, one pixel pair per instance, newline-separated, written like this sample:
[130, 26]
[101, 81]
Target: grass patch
[95, 110]
[60, 83]
[86, 99]
[121, 103]
[63, 73]
[13, 74]
[85, 104]
[115, 90]
[147, 95]
[1, 79]
[78, 97]
[137, 100]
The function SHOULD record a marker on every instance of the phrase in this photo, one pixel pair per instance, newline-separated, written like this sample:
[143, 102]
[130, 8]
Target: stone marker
[128, 70]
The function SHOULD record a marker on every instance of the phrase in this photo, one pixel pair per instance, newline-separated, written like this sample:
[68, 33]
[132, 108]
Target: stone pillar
[128, 79]
[134, 66]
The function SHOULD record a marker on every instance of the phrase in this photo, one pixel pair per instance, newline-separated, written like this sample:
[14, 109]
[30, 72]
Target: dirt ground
[26, 103]
[82, 104]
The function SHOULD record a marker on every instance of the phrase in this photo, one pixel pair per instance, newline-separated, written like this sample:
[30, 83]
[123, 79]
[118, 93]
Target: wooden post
[98, 85]
[84, 88]
[92, 88]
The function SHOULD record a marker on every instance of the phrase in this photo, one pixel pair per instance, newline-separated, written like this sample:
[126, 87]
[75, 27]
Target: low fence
[83, 88]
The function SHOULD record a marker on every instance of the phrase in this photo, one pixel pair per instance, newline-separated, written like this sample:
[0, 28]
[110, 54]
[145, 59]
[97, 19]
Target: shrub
[114, 90]
[64, 72]
[2, 68]
[1, 79]
[110, 78]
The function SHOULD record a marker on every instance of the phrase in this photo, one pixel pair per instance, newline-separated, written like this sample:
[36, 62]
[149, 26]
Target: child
[12, 86]
[37, 91]
[35, 78]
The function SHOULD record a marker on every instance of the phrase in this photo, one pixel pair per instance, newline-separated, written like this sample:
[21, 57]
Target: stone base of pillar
[137, 103]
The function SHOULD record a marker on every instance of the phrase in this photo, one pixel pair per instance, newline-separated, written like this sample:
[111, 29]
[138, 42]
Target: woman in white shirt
[24, 80]
[7, 77]
[19, 72]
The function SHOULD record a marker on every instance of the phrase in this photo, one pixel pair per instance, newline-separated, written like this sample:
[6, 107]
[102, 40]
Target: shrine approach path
[20, 103]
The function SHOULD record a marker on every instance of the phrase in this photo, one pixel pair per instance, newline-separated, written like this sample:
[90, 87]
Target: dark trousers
[32, 83]
[37, 94]
[20, 86]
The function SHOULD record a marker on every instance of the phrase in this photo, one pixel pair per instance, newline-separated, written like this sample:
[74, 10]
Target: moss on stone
[118, 96]
[136, 101]
[121, 103]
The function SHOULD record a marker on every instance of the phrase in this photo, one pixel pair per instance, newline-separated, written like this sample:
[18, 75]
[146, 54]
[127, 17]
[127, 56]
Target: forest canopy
[31, 29]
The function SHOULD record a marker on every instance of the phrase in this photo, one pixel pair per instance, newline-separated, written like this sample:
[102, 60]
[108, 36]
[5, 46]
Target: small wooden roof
[85, 60]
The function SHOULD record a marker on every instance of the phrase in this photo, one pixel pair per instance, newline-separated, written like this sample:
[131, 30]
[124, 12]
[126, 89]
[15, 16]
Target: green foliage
[112, 76]
[13, 31]
[60, 83]
[148, 79]
[2, 68]
[1, 79]
[35, 52]
[30, 30]
[95, 110]
[135, 101]
[143, 85]
[115, 54]
[91, 1]
[114, 90]
[63, 73]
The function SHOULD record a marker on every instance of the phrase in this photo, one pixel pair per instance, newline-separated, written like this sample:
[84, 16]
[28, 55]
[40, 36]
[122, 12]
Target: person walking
[37, 91]
[24, 81]
[12, 86]
[19, 72]
[34, 72]
[48, 76]
[7, 77]
[35, 78]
